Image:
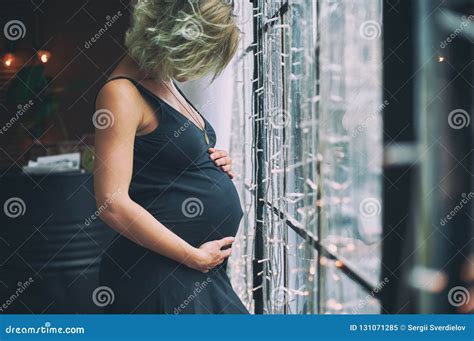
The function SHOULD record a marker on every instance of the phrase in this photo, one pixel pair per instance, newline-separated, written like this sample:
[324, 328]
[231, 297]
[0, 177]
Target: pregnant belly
[200, 207]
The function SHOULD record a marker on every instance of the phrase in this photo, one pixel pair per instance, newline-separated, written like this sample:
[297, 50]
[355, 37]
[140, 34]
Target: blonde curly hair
[183, 39]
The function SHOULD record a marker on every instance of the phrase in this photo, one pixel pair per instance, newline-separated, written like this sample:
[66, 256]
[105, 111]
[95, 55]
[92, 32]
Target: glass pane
[240, 263]
[351, 132]
[319, 98]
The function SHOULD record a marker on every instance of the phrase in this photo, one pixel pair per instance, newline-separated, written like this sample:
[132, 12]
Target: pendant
[206, 137]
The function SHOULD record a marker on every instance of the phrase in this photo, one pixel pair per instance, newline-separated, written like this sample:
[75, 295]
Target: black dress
[175, 180]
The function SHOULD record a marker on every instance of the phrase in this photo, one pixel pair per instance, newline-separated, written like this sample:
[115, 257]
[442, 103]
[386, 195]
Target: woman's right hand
[211, 254]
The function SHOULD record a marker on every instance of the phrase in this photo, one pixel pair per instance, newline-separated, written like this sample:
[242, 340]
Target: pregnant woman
[159, 181]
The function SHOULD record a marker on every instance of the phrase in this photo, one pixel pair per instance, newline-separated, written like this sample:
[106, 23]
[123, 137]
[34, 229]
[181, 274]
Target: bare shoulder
[121, 99]
[120, 90]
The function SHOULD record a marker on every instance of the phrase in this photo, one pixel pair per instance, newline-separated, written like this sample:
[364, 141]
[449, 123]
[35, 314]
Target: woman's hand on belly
[211, 254]
[222, 160]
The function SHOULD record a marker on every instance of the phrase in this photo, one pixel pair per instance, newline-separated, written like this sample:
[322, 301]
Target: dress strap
[122, 77]
[142, 89]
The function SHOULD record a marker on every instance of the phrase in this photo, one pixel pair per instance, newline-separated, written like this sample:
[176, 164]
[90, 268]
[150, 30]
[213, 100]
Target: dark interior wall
[424, 82]
[77, 67]
[399, 127]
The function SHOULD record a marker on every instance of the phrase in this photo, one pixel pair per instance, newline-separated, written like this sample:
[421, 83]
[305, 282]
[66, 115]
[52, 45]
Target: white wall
[215, 102]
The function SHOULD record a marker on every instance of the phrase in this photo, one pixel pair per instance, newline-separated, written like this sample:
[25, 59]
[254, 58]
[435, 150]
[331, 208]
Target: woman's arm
[121, 104]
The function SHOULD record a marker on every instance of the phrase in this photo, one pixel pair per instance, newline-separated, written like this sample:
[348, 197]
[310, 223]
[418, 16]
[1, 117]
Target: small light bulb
[44, 56]
[440, 59]
[8, 59]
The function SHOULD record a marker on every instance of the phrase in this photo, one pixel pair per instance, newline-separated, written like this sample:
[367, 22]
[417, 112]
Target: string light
[44, 56]
[332, 248]
[8, 59]
[307, 165]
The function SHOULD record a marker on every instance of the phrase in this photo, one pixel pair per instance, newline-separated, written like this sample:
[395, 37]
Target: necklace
[187, 107]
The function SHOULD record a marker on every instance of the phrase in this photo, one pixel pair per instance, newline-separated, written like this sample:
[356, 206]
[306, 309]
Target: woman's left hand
[221, 159]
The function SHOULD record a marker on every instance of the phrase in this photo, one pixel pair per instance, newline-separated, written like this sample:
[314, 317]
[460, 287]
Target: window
[308, 148]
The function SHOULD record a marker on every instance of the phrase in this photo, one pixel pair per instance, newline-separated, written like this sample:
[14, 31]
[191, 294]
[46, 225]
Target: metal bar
[282, 10]
[317, 55]
[341, 264]
[397, 176]
[285, 160]
[259, 133]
